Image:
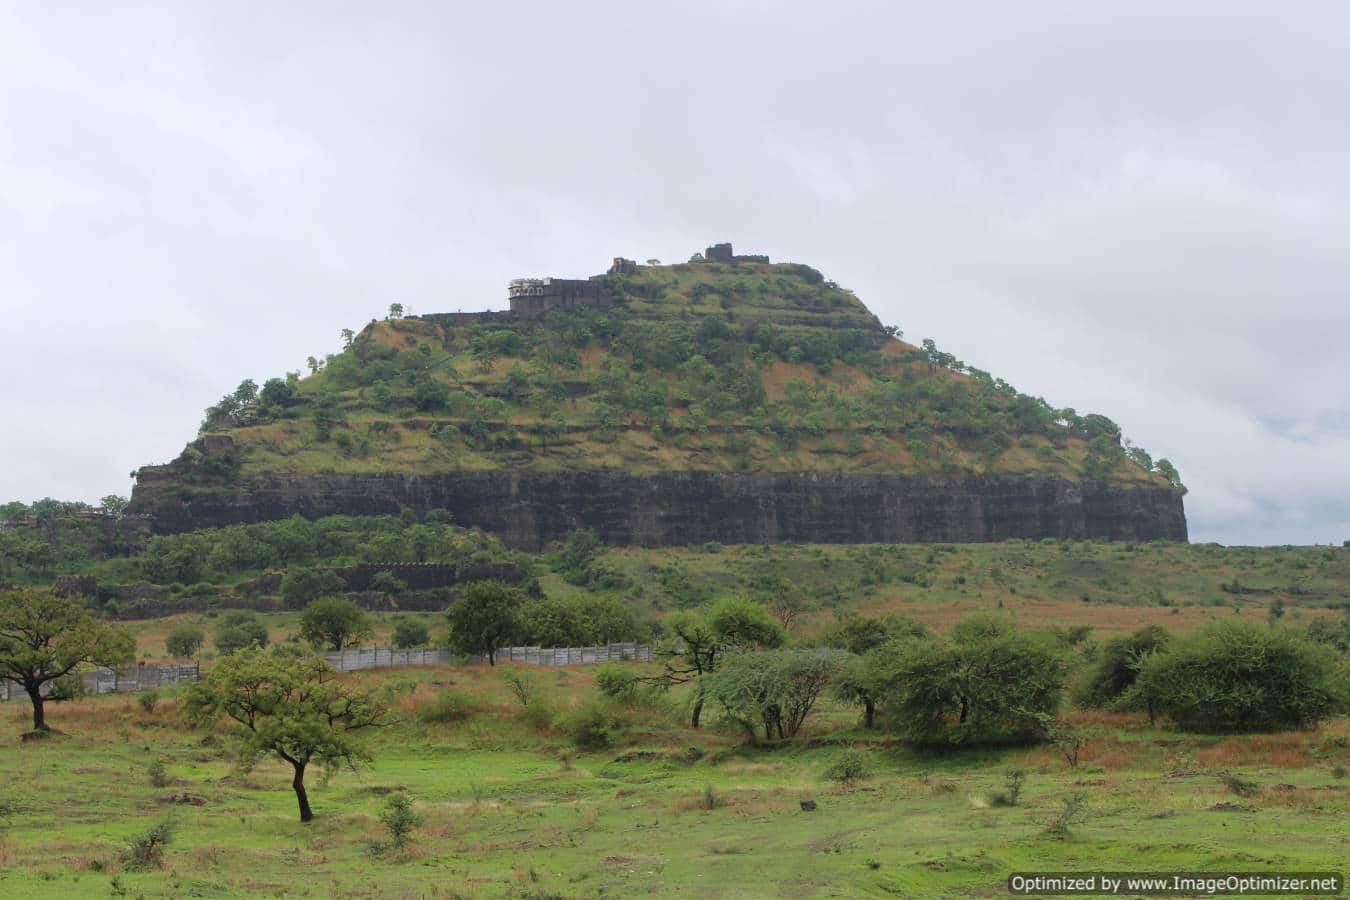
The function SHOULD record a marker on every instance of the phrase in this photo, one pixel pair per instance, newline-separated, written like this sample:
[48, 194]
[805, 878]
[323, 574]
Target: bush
[1012, 790]
[775, 690]
[399, 819]
[1238, 676]
[387, 583]
[522, 685]
[411, 633]
[238, 630]
[334, 623]
[617, 681]
[67, 687]
[848, 767]
[147, 851]
[184, 641]
[148, 700]
[1117, 666]
[592, 727]
[447, 706]
[300, 586]
[987, 685]
[159, 774]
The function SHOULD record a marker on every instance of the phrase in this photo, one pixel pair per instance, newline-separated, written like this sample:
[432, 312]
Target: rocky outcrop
[528, 510]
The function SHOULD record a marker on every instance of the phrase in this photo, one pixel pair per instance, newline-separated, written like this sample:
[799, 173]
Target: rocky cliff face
[528, 510]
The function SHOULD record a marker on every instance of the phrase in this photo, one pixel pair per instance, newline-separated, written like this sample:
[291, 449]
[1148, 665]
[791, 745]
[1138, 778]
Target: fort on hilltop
[725, 398]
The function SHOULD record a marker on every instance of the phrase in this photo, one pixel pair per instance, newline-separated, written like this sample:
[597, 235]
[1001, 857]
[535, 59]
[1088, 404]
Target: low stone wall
[357, 658]
[117, 681]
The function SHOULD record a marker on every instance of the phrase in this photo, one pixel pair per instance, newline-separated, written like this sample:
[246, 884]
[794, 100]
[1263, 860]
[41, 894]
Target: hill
[727, 399]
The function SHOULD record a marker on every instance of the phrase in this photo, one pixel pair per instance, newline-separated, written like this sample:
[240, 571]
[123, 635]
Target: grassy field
[511, 809]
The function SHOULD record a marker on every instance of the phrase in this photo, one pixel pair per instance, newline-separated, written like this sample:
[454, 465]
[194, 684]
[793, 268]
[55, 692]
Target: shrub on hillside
[772, 690]
[238, 630]
[1239, 676]
[410, 633]
[446, 707]
[184, 641]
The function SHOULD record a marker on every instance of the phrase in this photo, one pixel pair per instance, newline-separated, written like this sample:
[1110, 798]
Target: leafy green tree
[395, 311]
[301, 586]
[858, 634]
[987, 684]
[335, 623]
[113, 504]
[1239, 676]
[290, 705]
[44, 637]
[184, 641]
[387, 583]
[702, 639]
[1117, 666]
[485, 619]
[410, 633]
[1169, 471]
[773, 690]
[239, 630]
[1334, 631]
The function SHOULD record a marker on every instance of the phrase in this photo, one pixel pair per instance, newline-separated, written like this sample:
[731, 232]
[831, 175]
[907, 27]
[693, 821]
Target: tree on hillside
[44, 637]
[410, 633]
[184, 641]
[395, 311]
[289, 704]
[114, 504]
[485, 619]
[701, 640]
[300, 586]
[335, 623]
[239, 630]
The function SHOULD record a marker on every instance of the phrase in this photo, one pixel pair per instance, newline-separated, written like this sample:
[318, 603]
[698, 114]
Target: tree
[300, 586]
[772, 689]
[113, 504]
[334, 622]
[347, 337]
[859, 634]
[410, 633]
[1239, 676]
[44, 637]
[988, 684]
[485, 619]
[1117, 666]
[239, 630]
[184, 641]
[289, 704]
[395, 311]
[702, 639]
[388, 582]
[1169, 471]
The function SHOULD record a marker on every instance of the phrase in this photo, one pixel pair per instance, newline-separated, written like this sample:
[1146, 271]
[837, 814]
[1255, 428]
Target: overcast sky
[1140, 209]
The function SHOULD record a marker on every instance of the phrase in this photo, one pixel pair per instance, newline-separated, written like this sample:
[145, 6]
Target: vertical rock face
[528, 510]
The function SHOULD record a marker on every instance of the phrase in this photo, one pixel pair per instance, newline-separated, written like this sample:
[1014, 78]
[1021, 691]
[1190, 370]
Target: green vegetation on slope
[701, 366]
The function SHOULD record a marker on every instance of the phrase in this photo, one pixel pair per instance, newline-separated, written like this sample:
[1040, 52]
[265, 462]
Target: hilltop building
[723, 253]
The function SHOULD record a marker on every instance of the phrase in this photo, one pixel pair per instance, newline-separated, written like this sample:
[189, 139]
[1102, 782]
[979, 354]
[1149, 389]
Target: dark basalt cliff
[529, 509]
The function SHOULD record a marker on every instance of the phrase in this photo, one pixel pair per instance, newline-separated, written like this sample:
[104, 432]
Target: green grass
[506, 816]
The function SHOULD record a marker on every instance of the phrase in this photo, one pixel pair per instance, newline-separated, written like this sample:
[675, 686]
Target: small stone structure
[535, 296]
[724, 253]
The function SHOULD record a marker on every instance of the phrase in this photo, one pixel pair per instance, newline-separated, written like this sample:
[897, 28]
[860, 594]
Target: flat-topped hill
[709, 400]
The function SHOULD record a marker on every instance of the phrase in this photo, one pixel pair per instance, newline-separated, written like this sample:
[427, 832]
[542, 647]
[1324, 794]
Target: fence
[143, 678]
[390, 658]
[115, 681]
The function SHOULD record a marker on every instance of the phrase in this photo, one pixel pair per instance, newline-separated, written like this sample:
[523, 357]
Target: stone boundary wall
[357, 658]
[117, 681]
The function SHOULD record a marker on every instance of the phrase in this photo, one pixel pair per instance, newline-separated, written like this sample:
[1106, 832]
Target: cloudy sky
[1138, 208]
